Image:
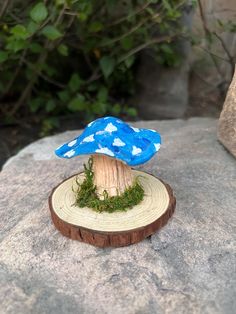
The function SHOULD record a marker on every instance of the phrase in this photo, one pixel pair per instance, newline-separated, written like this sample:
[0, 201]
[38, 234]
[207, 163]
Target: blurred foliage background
[66, 62]
[77, 57]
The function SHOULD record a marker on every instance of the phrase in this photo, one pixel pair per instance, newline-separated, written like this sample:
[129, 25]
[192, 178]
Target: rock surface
[163, 91]
[187, 267]
[160, 89]
[227, 122]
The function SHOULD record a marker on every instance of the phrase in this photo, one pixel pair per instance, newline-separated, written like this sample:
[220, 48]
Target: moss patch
[86, 195]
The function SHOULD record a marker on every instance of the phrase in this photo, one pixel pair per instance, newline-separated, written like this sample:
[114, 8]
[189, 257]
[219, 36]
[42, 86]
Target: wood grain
[111, 175]
[103, 238]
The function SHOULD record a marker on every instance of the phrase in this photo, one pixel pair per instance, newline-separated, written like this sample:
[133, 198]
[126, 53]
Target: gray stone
[227, 122]
[187, 267]
[162, 91]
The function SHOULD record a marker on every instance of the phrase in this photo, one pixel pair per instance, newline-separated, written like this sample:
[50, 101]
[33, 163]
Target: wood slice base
[112, 229]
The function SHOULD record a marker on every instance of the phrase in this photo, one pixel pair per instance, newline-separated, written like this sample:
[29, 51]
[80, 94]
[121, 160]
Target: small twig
[145, 45]
[45, 77]
[204, 22]
[4, 7]
[70, 13]
[132, 30]
[16, 18]
[16, 73]
[124, 18]
[89, 63]
[213, 54]
[42, 58]
[214, 86]
[231, 59]
[207, 34]
[95, 76]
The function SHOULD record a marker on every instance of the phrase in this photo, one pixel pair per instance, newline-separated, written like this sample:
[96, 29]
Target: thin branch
[214, 86]
[16, 73]
[132, 30]
[213, 54]
[96, 74]
[204, 22]
[145, 45]
[70, 13]
[27, 91]
[208, 33]
[231, 59]
[4, 8]
[42, 58]
[43, 76]
[124, 18]
[14, 17]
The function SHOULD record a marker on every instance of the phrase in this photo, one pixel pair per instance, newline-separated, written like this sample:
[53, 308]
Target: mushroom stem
[111, 175]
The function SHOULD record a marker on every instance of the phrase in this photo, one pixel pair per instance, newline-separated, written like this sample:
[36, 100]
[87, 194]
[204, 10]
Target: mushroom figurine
[132, 204]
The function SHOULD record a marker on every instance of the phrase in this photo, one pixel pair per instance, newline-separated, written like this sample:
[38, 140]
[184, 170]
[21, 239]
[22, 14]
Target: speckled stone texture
[227, 122]
[187, 267]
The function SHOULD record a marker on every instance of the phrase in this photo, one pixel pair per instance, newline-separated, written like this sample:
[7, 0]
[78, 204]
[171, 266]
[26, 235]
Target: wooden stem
[111, 175]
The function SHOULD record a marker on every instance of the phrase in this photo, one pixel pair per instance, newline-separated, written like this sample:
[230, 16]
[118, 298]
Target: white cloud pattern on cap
[72, 143]
[110, 128]
[89, 138]
[157, 146]
[70, 153]
[135, 129]
[104, 150]
[136, 150]
[118, 142]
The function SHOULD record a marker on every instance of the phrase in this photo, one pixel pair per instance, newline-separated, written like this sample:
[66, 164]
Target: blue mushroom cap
[112, 137]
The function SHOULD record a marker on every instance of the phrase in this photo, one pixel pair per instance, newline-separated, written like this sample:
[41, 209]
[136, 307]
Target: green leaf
[82, 16]
[132, 112]
[93, 87]
[166, 48]
[51, 32]
[63, 95]
[60, 2]
[129, 61]
[107, 65]
[95, 27]
[32, 27]
[74, 82]
[16, 45]
[35, 104]
[35, 47]
[63, 50]
[3, 56]
[48, 125]
[102, 94]
[166, 4]
[50, 105]
[39, 12]
[99, 107]
[116, 109]
[49, 70]
[127, 42]
[19, 32]
[77, 103]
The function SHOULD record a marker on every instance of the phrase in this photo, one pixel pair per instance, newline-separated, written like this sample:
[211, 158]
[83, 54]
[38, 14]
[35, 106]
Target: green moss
[86, 195]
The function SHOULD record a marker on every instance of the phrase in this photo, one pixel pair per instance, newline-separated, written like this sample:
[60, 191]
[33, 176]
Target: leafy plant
[76, 56]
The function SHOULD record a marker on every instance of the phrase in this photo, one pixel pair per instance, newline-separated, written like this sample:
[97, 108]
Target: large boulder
[187, 267]
[227, 122]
